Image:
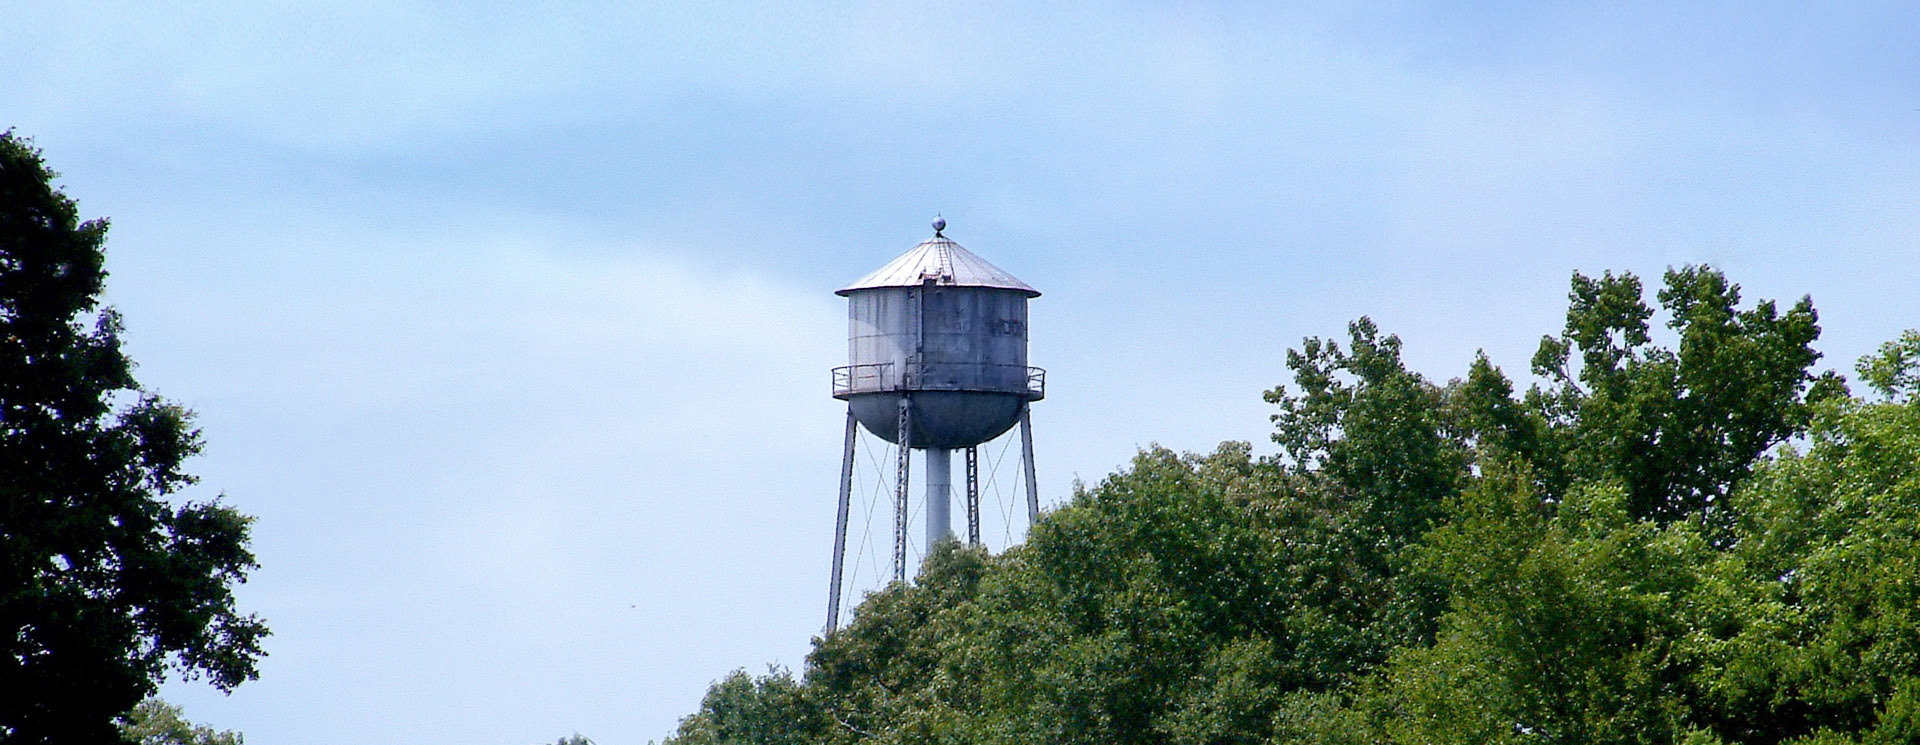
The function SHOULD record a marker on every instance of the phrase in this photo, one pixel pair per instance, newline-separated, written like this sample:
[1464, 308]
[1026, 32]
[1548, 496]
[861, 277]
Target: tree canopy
[107, 579]
[156, 722]
[1704, 543]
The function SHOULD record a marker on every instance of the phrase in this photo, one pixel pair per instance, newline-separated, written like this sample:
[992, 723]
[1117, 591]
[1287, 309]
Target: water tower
[937, 341]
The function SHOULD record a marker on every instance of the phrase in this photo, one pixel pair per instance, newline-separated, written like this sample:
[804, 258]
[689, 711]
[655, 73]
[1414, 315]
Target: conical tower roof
[945, 263]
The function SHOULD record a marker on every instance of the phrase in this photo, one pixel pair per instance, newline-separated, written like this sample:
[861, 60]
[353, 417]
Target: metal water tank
[937, 341]
[948, 331]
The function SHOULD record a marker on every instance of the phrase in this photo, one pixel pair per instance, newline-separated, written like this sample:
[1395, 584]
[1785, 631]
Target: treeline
[1707, 543]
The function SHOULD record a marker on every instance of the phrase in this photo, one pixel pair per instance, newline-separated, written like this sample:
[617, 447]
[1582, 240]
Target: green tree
[1676, 428]
[156, 722]
[1179, 601]
[1895, 371]
[105, 582]
[1633, 552]
[1561, 626]
[1361, 418]
[893, 675]
[1809, 626]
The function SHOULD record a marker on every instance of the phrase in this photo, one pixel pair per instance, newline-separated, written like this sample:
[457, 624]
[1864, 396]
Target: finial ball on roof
[939, 224]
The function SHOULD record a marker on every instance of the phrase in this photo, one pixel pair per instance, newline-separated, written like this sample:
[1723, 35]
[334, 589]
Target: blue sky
[512, 324]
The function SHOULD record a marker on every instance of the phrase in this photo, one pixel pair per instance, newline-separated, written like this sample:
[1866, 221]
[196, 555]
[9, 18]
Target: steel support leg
[905, 436]
[973, 496]
[1026, 455]
[939, 478]
[840, 524]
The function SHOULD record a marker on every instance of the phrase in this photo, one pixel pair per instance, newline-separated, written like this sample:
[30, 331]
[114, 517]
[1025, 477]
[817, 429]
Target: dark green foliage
[1630, 552]
[1561, 627]
[888, 674]
[1812, 620]
[1373, 427]
[1675, 428]
[742, 709]
[104, 583]
[1179, 601]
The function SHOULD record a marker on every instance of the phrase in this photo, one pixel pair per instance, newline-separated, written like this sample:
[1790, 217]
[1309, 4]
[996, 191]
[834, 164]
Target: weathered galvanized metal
[946, 328]
[939, 491]
[943, 262]
[937, 346]
[840, 524]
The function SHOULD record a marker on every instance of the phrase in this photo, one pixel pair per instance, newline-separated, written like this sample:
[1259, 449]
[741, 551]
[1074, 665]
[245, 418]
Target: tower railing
[852, 379]
[881, 377]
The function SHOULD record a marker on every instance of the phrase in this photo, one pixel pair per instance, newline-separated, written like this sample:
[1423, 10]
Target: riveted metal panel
[953, 340]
